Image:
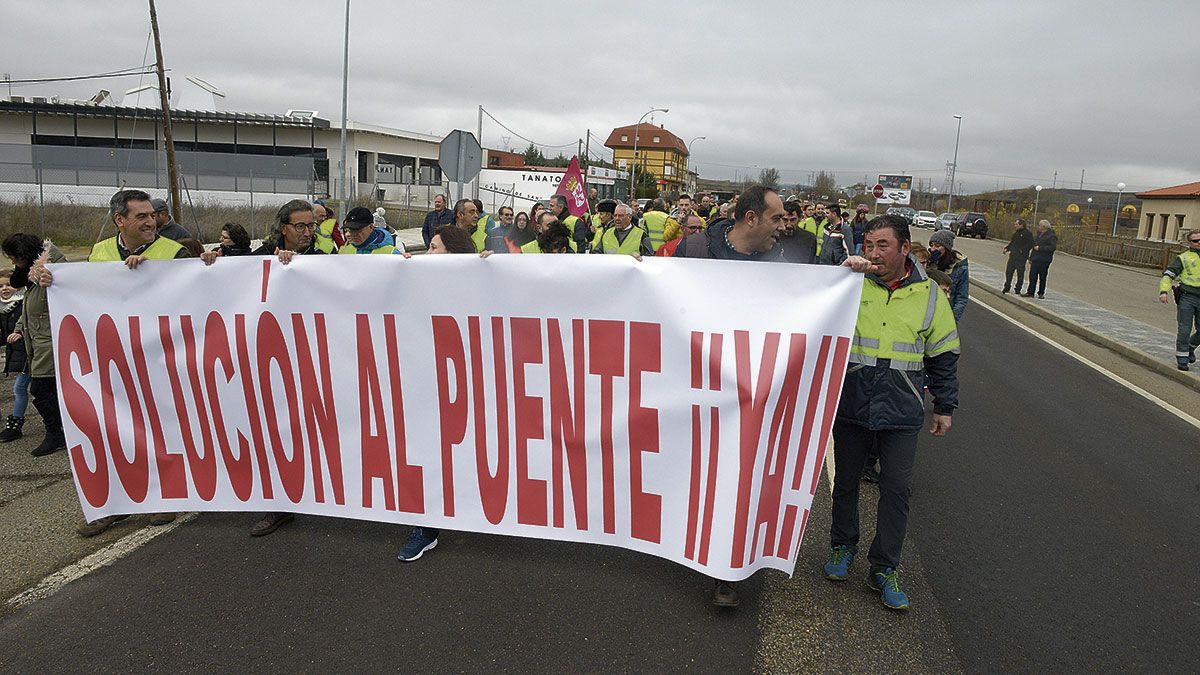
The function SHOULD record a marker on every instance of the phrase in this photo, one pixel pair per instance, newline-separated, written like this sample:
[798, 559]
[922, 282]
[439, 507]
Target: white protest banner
[676, 407]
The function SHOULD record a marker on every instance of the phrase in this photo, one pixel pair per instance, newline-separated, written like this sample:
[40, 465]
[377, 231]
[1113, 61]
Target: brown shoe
[270, 522]
[162, 518]
[94, 528]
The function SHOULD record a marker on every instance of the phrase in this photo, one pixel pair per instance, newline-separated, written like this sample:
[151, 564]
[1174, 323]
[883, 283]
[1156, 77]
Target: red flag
[572, 188]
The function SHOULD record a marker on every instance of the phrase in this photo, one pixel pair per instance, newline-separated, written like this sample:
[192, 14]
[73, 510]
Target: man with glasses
[496, 237]
[623, 237]
[693, 225]
[1185, 269]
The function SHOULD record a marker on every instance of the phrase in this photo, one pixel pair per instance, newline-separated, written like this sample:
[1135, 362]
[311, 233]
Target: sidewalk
[1116, 307]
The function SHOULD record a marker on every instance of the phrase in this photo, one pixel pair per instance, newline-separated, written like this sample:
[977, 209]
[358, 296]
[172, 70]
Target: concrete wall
[1168, 219]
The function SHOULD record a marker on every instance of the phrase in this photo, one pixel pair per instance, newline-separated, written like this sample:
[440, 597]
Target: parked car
[925, 219]
[904, 212]
[945, 220]
[971, 224]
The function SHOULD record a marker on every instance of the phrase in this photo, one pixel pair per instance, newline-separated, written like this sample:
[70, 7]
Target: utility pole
[482, 152]
[345, 191]
[1054, 184]
[168, 137]
[1081, 172]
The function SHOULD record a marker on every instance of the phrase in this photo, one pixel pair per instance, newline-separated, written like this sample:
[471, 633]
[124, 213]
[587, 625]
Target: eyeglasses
[302, 226]
[1194, 241]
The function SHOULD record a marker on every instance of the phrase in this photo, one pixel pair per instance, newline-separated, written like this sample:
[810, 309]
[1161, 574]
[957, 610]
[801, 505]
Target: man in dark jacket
[1040, 257]
[905, 336]
[1018, 254]
[753, 234]
[440, 215]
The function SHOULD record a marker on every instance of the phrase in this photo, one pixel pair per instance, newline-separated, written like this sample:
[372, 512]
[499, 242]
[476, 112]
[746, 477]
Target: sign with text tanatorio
[897, 189]
[690, 426]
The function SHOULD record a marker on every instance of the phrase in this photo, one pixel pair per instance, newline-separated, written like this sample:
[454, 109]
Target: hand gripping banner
[676, 407]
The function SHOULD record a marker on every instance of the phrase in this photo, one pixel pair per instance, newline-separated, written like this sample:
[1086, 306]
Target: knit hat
[943, 238]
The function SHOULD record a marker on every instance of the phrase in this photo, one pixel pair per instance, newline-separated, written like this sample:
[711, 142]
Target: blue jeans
[1188, 313]
[20, 394]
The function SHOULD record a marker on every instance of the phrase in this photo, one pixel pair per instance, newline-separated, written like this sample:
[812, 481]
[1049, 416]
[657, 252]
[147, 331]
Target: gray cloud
[859, 89]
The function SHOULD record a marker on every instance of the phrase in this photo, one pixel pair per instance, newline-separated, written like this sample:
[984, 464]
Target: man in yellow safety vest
[1186, 270]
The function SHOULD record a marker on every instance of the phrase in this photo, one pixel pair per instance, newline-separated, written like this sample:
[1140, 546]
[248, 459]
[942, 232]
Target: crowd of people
[905, 347]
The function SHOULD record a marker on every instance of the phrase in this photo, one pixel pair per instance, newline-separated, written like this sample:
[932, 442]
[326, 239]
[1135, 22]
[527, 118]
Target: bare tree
[769, 177]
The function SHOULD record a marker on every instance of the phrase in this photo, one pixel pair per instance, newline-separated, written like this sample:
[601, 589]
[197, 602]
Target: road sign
[1072, 208]
[460, 156]
[897, 189]
[877, 191]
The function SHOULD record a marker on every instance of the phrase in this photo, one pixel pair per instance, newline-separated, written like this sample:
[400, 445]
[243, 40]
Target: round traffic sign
[877, 191]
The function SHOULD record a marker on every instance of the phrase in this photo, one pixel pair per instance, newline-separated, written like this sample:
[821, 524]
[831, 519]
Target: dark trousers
[45, 399]
[1037, 276]
[1016, 265]
[897, 452]
[1188, 314]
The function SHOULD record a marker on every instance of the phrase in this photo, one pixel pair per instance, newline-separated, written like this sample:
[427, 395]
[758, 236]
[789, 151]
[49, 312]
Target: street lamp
[933, 200]
[688, 170]
[954, 165]
[1037, 195]
[1120, 189]
[636, 129]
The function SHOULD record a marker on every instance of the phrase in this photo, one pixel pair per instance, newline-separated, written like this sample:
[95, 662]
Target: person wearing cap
[167, 227]
[942, 256]
[603, 218]
[363, 237]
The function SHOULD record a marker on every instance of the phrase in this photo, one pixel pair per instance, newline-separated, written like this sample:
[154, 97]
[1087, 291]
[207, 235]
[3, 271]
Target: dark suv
[970, 224]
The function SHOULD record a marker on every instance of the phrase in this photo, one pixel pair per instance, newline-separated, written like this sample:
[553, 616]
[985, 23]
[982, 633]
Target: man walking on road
[905, 334]
[1186, 270]
[1040, 257]
[1018, 254]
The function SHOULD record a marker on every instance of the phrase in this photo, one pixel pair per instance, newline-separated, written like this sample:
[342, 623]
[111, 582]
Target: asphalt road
[1058, 526]
[1050, 532]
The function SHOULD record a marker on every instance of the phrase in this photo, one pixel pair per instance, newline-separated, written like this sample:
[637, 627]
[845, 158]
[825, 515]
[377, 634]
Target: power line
[126, 72]
[528, 140]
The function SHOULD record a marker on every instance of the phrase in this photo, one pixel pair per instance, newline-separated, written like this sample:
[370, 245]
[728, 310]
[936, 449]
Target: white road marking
[1095, 366]
[105, 556]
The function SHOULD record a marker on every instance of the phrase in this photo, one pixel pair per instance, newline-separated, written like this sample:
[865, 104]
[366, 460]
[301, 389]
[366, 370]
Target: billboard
[897, 189]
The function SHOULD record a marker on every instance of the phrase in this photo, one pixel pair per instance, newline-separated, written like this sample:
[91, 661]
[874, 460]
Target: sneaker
[1191, 359]
[1041, 296]
[870, 474]
[1028, 295]
[12, 429]
[887, 582]
[1183, 367]
[270, 522]
[1005, 290]
[420, 541]
[157, 519]
[838, 567]
[725, 595]
[94, 528]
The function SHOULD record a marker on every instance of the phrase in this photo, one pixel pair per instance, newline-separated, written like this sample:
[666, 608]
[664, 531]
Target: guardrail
[1126, 251]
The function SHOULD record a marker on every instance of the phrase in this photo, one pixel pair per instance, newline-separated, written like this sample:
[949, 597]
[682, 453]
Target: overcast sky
[857, 88]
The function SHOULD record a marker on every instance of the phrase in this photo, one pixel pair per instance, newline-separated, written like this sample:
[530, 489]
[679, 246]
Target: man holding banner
[905, 337]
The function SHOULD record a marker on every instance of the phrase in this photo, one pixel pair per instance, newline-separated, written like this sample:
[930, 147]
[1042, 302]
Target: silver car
[944, 221]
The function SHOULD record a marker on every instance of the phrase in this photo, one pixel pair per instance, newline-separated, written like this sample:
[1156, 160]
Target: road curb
[1136, 355]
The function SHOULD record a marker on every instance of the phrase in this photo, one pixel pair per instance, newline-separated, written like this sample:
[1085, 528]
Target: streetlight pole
[688, 169]
[345, 191]
[1120, 189]
[637, 127]
[1037, 195]
[954, 165]
[1090, 207]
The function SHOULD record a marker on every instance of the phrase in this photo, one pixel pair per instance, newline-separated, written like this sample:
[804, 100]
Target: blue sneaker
[420, 541]
[887, 582]
[838, 567]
